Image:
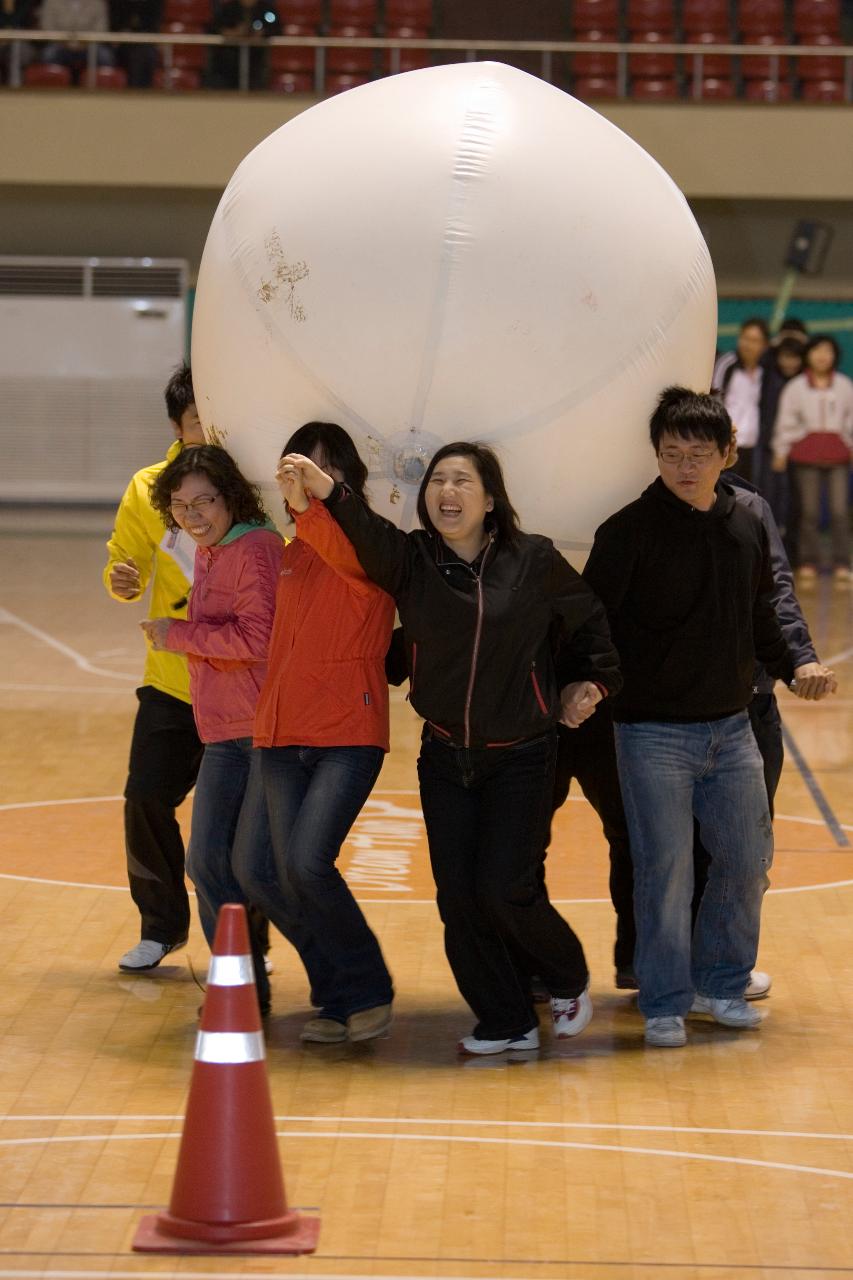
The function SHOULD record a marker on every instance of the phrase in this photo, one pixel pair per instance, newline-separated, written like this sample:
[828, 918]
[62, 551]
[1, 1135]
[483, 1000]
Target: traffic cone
[228, 1194]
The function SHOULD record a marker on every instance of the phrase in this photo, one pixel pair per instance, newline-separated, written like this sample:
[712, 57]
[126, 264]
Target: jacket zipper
[538, 691]
[476, 651]
[414, 665]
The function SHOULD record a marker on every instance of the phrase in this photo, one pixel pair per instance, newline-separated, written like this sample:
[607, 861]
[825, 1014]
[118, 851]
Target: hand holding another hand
[579, 702]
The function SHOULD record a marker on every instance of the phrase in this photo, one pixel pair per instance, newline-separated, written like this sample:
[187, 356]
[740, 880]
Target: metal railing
[470, 50]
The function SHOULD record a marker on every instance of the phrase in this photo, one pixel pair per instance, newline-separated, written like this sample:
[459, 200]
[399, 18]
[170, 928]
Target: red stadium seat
[195, 13]
[353, 60]
[297, 61]
[181, 79]
[816, 17]
[823, 91]
[361, 14]
[409, 13]
[754, 67]
[409, 59]
[340, 83]
[711, 16]
[651, 15]
[652, 66]
[595, 65]
[654, 89]
[761, 18]
[108, 78]
[595, 15]
[305, 14]
[593, 88]
[713, 89]
[291, 82]
[46, 75]
[189, 57]
[820, 68]
[713, 65]
[767, 91]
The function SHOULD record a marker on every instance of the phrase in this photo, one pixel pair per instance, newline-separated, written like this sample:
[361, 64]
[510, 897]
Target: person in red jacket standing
[322, 728]
[226, 638]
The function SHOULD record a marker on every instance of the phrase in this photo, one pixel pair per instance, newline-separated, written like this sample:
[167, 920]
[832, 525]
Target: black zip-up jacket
[795, 629]
[479, 637]
[689, 597]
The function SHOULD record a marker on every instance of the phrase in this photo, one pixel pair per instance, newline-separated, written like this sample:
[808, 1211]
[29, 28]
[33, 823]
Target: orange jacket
[326, 684]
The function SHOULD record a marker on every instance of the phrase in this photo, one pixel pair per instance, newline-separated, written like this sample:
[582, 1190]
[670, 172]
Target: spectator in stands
[14, 16]
[243, 19]
[814, 431]
[138, 60]
[738, 377]
[78, 16]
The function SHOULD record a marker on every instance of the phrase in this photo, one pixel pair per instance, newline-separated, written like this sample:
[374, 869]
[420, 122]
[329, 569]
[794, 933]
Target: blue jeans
[226, 796]
[313, 796]
[671, 773]
[486, 812]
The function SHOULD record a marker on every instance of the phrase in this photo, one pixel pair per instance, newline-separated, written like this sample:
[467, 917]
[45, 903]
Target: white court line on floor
[454, 1121]
[77, 658]
[464, 1140]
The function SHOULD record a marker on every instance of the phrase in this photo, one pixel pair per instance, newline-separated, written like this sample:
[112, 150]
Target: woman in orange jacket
[322, 727]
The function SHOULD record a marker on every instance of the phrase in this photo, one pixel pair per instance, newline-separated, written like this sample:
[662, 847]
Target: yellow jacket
[162, 557]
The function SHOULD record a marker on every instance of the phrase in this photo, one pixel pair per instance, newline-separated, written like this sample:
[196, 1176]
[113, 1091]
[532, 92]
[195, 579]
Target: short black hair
[756, 322]
[242, 499]
[338, 450]
[795, 324]
[790, 346]
[179, 393]
[686, 413]
[503, 519]
[816, 341]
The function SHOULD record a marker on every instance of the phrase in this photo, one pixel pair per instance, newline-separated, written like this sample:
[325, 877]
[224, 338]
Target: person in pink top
[226, 639]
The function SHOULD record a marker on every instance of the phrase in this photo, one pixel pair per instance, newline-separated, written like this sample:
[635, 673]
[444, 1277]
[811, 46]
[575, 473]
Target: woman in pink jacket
[226, 638]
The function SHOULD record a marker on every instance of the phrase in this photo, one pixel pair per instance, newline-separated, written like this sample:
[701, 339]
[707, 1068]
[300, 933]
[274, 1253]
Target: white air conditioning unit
[86, 349]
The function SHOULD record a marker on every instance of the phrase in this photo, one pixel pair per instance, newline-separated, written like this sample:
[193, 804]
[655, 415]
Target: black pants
[165, 755]
[486, 814]
[589, 755]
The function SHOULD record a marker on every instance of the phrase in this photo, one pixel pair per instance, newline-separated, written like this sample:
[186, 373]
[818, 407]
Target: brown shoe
[369, 1023]
[323, 1031]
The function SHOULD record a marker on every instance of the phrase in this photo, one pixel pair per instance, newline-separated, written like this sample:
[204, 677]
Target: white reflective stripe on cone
[230, 971]
[229, 1046]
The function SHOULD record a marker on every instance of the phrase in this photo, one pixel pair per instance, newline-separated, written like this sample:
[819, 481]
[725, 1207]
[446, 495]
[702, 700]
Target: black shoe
[625, 980]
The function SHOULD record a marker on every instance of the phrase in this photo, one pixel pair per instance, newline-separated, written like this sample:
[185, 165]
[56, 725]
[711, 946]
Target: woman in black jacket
[484, 608]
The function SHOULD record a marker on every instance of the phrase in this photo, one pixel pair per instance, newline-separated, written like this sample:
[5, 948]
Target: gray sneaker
[729, 1013]
[666, 1033]
[147, 954]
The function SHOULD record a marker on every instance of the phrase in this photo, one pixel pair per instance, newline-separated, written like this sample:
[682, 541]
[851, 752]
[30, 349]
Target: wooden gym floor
[596, 1160]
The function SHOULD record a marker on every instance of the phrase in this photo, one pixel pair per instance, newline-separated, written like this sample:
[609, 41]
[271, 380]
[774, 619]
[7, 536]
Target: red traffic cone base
[228, 1193]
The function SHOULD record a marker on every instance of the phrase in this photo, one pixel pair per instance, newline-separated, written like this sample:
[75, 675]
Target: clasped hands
[299, 479]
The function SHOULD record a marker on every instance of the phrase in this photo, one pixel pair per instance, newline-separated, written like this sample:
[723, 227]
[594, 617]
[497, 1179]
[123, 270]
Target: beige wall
[149, 140]
[138, 174]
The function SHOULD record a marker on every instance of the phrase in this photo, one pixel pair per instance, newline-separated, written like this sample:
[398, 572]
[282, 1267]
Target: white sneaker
[571, 1016]
[729, 1013]
[470, 1044]
[758, 986]
[665, 1033]
[147, 954]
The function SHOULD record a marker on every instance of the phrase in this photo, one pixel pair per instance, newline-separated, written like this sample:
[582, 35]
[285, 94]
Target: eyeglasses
[198, 504]
[696, 457]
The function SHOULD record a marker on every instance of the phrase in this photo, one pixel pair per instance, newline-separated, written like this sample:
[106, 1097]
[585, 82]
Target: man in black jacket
[685, 576]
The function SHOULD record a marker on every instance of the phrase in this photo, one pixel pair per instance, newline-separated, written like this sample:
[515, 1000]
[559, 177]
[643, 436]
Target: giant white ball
[463, 252]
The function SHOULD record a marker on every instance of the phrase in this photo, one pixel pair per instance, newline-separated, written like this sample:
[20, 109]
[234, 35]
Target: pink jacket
[227, 631]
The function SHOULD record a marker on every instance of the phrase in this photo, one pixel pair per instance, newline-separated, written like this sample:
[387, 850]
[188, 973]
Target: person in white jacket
[814, 432]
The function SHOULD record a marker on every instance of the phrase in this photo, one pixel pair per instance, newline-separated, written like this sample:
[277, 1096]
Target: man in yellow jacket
[165, 751]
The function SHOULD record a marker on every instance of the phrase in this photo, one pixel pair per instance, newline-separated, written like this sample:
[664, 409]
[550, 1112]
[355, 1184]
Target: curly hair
[242, 499]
